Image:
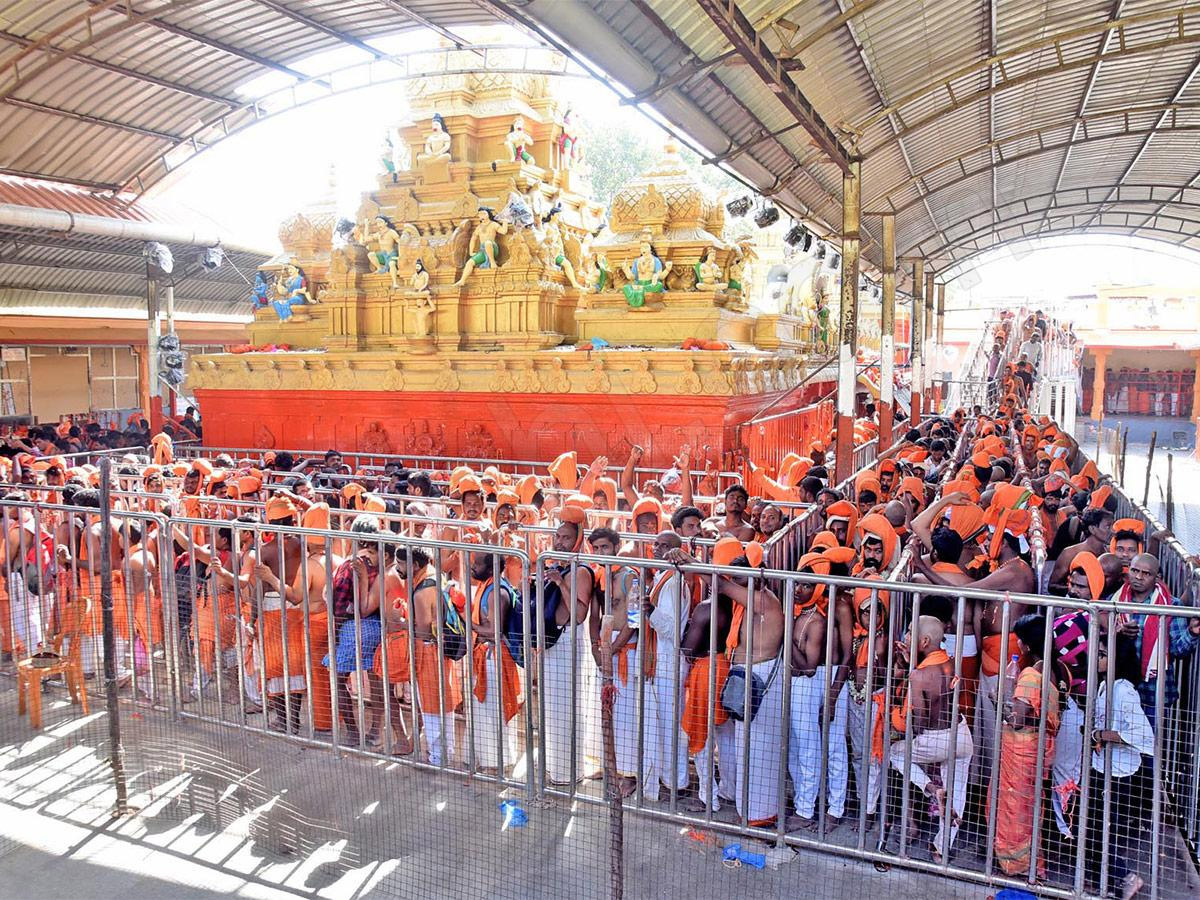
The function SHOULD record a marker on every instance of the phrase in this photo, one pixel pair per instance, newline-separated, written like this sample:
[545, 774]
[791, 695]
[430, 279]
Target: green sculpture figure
[484, 247]
[645, 273]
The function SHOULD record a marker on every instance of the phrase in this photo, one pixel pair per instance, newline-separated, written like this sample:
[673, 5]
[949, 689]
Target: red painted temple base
[473, 424]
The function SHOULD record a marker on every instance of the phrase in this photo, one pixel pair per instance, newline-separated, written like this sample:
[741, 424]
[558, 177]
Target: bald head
[664, 543]
[930, 633]
[1113, 569]
[1145, 561]
[895, 513]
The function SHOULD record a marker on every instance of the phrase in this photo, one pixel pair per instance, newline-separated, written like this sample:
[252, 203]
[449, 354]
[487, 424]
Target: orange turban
[470, 484]
[843, 510]
[816, 564]
[280, 507]
[1013, 496]
[353, 493]
[729, 548]
[789, 459]
[457, 475]
[648, 505]
[1134, 526]
[1099, 495]
[879, 527]
[1087, 562]
[578, 501]
[268, 459]
[248, 484]
[867, 481]
[961, 485]
[507, 497]
[203, 466]
[967, 521]
[577, 517]
[565, 471]
[150, 471]
[1090, 472]
[911, 484]
[607, 487]
[526, 488]
[163, 449]
[1013, 521]
[316, 516]
[373, 503]
[822, 540]
[179, 469]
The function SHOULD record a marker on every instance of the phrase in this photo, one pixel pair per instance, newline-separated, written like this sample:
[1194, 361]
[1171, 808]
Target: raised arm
[627, 474]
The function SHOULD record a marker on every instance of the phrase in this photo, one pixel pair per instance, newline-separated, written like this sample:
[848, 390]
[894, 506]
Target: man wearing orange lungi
[317, 516]
[495, 701]
[438, 690]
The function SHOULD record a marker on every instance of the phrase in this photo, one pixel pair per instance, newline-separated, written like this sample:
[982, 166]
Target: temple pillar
[1101, 357]
[917, 339]
[848, 331]
[939, 348]
[887, 333]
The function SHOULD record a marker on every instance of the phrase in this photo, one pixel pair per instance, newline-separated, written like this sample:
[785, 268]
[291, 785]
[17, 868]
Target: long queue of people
[432, 613]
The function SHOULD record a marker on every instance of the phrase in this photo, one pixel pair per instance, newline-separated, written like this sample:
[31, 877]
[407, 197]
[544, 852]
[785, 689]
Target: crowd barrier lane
[774, 752]
[759, 755]
[361, 459]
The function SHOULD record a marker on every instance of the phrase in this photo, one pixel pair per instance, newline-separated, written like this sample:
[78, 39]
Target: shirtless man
[733, 523]
[706, 655]
[496, 685]
[277, 570]
[438, 689]
[756, 637]
[1097, 529]
[933, 729]
[868, 650]
[1012, 574]
[810, 606]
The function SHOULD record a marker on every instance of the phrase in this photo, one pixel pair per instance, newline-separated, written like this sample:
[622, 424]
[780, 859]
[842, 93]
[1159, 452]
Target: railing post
[887, 333]
[848, 333]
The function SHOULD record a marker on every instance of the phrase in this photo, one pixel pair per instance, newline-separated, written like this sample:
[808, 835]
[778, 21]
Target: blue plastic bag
[514, 815]
[735, 854]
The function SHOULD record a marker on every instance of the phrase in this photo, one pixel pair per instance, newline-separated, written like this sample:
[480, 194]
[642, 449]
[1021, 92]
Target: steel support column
[927, 355]
[936, 355]
[848, 330]
[887, 333]
[916, 338]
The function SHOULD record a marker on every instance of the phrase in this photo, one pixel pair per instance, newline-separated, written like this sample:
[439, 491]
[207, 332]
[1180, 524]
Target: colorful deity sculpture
[387, 156]
[387, 254]
[437, 143]
[709, 276]
[568, 141]
[261, 290]
[423, 307]
[484, 246]
[293, 290]
[645, 273]
[554, 241]
[518, 142]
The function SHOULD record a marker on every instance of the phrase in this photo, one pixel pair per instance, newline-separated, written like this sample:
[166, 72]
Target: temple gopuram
[482, 305]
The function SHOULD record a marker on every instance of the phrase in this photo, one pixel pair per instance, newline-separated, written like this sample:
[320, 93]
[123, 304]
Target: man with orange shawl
[496, 683]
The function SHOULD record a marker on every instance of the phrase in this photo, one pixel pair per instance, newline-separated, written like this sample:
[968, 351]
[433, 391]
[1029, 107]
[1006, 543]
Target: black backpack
[514, 629]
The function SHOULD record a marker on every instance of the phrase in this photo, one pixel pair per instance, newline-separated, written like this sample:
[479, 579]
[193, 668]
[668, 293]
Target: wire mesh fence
[354, 712]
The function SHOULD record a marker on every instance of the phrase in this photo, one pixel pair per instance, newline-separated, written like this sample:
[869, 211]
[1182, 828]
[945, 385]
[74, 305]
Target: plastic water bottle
[633, 604]
[1011, 673]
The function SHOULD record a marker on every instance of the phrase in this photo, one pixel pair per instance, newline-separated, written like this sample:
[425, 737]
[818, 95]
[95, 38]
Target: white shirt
[665, 620]
[1130, 722]
[1032, 351]
[1068, 743]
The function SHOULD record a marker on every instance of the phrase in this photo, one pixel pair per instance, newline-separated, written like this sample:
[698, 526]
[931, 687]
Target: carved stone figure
[518, 142]
[437, 143]
[484, 247]
[708, 273]
[645, 273]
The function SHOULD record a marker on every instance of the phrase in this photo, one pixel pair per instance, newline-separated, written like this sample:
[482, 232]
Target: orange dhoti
[399, 667]
[215, 632]
[322, 698]
[694, 720]
[439, 734]
[272, 629]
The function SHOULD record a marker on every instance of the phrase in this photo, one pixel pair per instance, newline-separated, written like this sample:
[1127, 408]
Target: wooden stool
[70, 667]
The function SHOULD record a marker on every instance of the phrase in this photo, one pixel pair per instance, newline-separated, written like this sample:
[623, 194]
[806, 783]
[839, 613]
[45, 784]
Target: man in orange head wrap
[868, 651]
[879, 545]
[1128, 539]
[887, 477]
[867, 491]
[842, 518]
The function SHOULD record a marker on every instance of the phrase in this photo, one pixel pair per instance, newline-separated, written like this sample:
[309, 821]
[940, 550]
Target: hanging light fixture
[766, 217]
[739, 207]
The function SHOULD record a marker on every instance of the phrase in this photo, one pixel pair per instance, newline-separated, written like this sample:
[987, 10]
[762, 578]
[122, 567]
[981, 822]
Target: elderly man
[1142, 585]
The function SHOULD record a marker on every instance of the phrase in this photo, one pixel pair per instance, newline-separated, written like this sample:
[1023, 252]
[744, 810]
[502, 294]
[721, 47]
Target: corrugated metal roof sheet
[947, 132]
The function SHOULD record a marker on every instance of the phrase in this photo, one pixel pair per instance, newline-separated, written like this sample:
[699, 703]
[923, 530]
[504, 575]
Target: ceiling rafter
[1170, 238]
[91, 119]
[960, 160]
[1080, 215]
[943, 81]
[126, 73]
[315, 25]
[737, 29]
